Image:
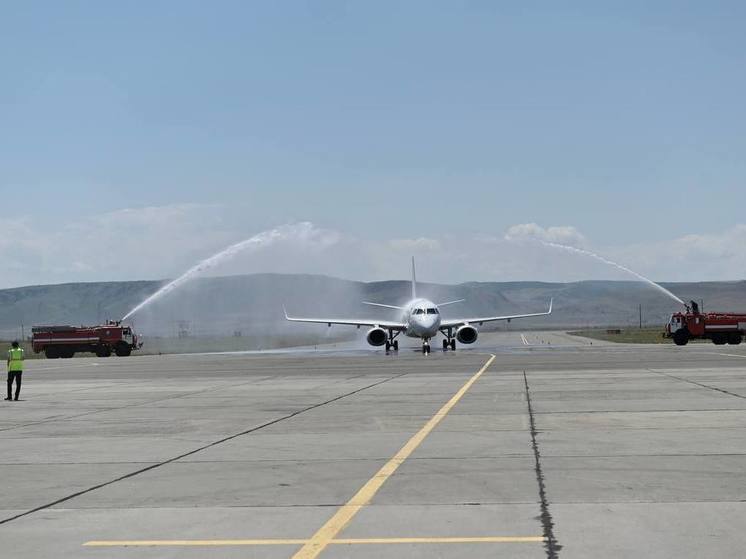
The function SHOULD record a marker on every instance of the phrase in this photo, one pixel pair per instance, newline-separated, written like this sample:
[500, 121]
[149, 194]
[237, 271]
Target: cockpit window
[432, 311]
[419, 311]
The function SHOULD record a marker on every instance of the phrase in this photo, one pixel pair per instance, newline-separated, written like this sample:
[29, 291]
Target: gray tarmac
[578, 449]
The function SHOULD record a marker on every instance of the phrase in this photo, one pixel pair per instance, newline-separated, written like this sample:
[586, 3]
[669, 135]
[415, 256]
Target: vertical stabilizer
[414, 281]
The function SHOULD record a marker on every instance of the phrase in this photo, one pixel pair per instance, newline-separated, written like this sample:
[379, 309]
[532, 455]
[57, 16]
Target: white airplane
[420, 318]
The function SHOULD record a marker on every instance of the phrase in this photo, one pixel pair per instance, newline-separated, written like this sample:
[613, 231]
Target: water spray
[612, 263]
[303, 232]
[600, 258]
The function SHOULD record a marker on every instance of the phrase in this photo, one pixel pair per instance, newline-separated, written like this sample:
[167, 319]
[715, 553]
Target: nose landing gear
[426, 346]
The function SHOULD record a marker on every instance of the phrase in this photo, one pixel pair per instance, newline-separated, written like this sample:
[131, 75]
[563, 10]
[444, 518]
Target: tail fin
[414, 281]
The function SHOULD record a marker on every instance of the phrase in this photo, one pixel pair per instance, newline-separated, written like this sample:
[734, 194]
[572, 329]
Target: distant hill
[252, 304]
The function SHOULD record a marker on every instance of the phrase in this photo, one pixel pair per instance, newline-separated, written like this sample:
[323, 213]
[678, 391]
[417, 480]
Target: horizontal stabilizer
[450, 302]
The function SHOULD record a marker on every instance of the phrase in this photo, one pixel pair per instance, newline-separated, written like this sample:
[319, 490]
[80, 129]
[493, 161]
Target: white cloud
[163, 241]
[417, 245]
[564, 234]
[693, 257]
[123, 244]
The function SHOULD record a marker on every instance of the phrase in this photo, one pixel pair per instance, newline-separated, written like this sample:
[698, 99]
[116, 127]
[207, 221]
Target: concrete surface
[602, 450]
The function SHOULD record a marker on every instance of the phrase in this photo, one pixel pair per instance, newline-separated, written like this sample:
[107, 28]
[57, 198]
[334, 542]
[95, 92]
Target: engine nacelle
[467, 334]
[377, 336]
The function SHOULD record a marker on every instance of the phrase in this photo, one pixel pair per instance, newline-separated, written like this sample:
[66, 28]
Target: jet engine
[467, 334]
[377, 336]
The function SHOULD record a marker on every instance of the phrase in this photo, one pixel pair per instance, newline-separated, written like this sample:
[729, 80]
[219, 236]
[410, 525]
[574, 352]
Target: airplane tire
[453, 344]
[445, 345]
[388, 346]
[396, 345]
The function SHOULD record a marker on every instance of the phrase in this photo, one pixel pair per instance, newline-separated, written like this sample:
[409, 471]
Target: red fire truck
[65, 341]
[721, 328]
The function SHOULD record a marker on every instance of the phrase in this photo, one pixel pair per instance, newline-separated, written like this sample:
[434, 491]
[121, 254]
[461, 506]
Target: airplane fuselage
[422, 318]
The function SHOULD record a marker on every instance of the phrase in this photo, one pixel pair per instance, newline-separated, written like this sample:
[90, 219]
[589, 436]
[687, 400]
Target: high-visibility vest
[16, 359]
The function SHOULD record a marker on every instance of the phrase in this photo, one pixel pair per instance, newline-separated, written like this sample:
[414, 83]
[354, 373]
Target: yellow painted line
[189, 543]
[485, 539]
[341, 541]
[346, 513]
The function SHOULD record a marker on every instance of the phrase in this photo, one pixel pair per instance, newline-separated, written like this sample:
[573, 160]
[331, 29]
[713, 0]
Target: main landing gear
[392, 342]
[450, 341]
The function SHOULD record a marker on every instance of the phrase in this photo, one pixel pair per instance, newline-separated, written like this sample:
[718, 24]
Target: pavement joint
[551, 545]
[195, 451]
[695, 383]
[129, 406]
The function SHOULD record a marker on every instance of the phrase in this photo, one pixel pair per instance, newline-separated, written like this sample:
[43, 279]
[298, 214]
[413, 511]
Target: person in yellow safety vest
[15, 369]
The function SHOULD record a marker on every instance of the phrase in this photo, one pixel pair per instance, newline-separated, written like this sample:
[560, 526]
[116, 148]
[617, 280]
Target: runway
[529, 444]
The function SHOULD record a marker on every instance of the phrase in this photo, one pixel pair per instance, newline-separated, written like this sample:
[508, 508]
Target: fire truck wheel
[122, 350]
[67, 353]
[52, 353]
[735, 338]
[719, 339]
[681, 337]
[104, 351]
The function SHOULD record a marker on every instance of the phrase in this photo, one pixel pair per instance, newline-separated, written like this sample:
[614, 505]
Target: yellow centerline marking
[340, 541]
[484, 539]
[188, 543]
[346, 513]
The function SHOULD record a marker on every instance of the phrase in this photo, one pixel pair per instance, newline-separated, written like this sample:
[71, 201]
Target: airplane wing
[387, 324]
[461, 321]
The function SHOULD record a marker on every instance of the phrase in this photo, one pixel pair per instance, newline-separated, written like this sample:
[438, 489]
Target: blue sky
[386, 121]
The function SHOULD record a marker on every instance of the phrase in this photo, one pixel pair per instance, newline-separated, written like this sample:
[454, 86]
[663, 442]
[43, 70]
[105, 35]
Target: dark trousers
[14, 375]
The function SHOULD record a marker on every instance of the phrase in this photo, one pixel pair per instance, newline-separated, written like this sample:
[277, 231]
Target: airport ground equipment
[720, 327]
[65, 341]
